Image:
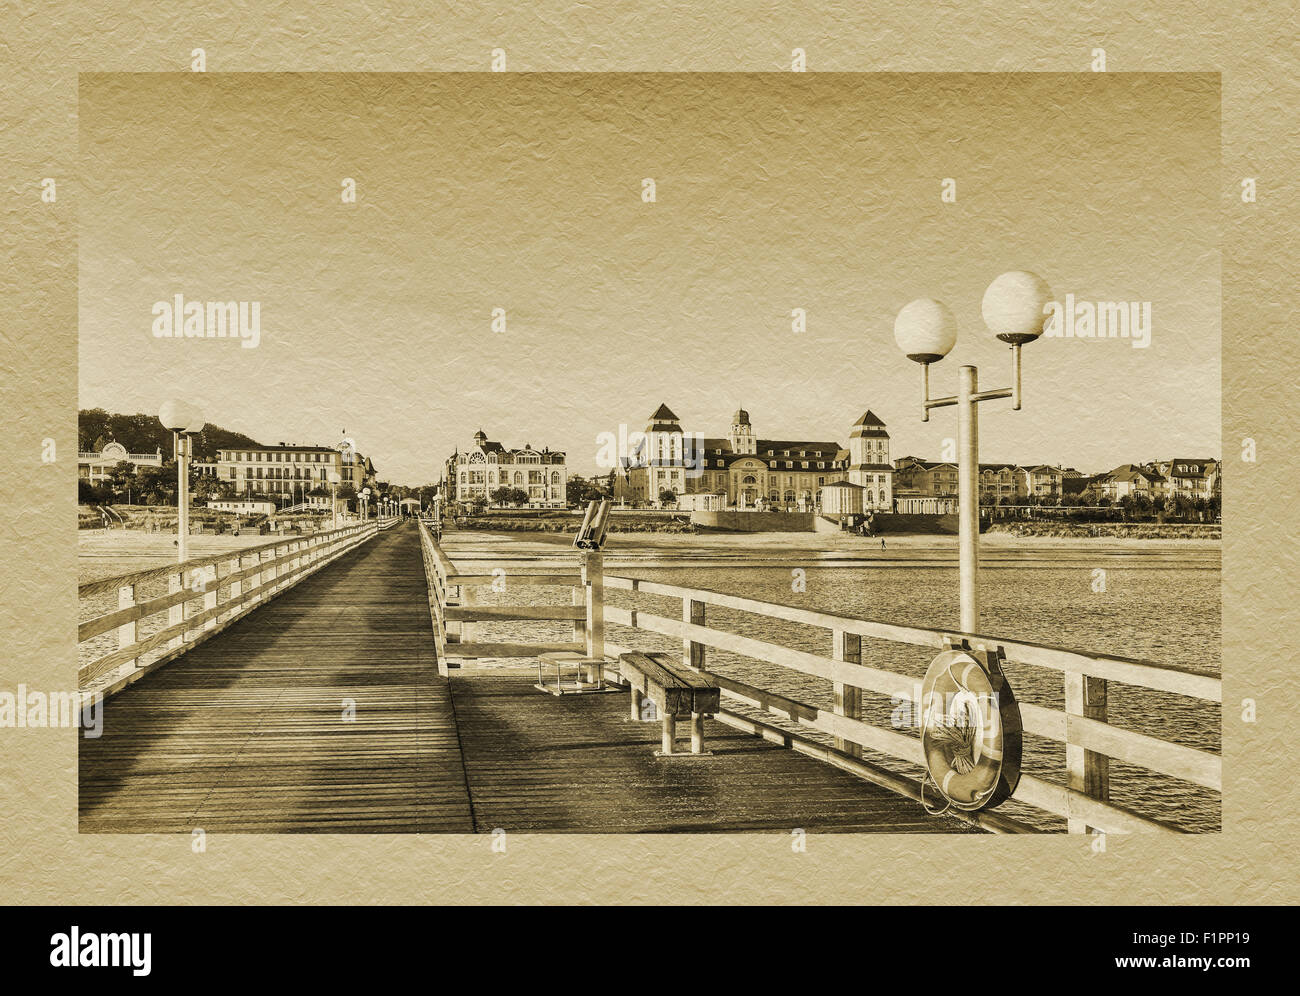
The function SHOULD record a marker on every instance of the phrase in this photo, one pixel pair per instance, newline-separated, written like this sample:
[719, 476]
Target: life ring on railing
[970, 732]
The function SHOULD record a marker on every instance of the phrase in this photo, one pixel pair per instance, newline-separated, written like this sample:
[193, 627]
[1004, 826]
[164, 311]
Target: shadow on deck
[537, 763]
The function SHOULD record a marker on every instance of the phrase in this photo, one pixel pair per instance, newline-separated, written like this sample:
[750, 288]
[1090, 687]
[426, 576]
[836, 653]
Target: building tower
[869, 465]
[663, 454]
[742, 434]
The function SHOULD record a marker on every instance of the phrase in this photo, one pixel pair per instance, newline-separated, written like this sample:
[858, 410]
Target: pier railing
[219, 589]
[454, 612]
[1090, 741]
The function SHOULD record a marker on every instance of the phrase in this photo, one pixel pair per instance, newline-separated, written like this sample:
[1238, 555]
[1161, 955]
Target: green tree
[122, 474]
[578, 491]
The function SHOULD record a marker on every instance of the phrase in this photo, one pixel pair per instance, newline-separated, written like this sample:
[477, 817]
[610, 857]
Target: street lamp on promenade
[926, 331]
[335, 478]
[182, 419]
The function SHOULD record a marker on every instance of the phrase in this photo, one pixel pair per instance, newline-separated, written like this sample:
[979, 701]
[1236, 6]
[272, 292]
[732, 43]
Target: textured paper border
[44, 860]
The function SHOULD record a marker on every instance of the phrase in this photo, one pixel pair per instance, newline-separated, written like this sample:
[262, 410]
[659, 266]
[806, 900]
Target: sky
[524, 192]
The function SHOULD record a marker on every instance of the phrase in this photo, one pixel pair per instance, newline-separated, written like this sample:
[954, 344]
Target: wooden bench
[675, 689]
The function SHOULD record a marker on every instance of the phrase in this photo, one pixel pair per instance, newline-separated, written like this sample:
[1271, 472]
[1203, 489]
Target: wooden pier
[247, 733]
[320, 689]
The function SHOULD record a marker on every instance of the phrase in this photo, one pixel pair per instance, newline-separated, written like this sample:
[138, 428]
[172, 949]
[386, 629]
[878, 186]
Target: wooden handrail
[100, 585]
[1180, 680]
[291, 560]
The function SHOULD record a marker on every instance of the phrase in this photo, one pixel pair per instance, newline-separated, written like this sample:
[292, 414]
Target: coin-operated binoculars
[591, 540]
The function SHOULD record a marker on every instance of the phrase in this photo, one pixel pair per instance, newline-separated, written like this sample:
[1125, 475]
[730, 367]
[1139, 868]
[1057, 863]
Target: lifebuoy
[970, 731]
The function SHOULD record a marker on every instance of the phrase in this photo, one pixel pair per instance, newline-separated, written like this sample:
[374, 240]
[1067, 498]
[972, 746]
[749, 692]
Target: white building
[842, 498]
[487, 466]
[255, 507]
[96, 467]
[294, 471]
[869, 465]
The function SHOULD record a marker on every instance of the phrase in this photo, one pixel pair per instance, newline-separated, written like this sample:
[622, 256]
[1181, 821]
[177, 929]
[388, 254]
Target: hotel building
[294, 471]
[487, 466]
[751, 472]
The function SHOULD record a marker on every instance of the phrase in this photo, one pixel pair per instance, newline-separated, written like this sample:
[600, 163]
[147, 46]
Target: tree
[518, 496]
[501, 496]
[156, 485]
[667, 497]
[579, 491]
[122, 474]
[208, 488]
[93, 494]
[478, 504]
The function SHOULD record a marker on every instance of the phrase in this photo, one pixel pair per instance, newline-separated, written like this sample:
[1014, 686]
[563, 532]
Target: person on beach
[882, 544]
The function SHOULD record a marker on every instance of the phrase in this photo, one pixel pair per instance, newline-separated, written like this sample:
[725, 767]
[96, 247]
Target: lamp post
[335, 477]
[926, 331]
[183, 420]
[365, 503]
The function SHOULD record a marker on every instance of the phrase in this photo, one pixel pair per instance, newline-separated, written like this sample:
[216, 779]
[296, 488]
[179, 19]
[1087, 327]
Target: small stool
[588, 673]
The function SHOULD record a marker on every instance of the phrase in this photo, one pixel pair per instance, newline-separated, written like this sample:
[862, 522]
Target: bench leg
[697, 733]
[636, 705]
[670, 732]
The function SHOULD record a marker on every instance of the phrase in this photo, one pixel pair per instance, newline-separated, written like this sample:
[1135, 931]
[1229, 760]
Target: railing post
[127, 633]
[466, 600]
[255, 581]
[593, 582]
[210, 596]
[692, 652]
[580, 625]
[176, 613]
[848, 698]
[1085, 771]
[236, 586]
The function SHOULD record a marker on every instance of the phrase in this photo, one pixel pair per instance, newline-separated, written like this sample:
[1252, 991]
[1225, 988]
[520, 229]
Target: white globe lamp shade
[180, 416]
[334, 477]
[1014, 306]
[925, 330]
[174, 415]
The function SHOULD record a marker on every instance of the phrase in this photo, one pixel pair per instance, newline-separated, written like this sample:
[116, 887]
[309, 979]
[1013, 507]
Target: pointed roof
[869, 419]
[663, 414]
